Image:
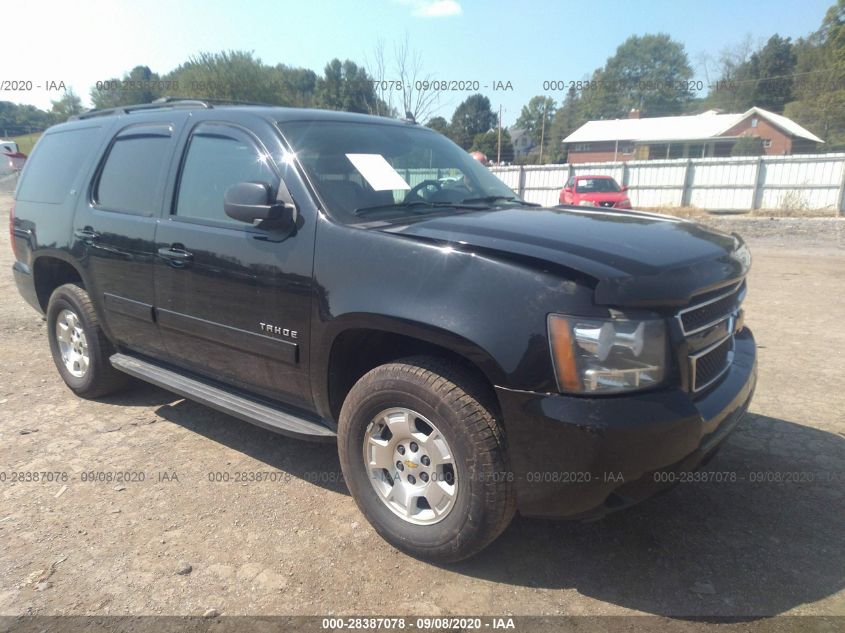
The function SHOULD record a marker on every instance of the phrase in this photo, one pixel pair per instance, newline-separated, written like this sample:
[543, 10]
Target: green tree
[568, 118]
[730, 91]
[762, 78]
[139, 85]
[819, 90]
[345, 86]
[16, 119]
[488, 144]
[648, 73]
[438, 124]
[64, 108]
[772, 66]
[227, 76]
[473, 116]
[532, 114]
[295, 87]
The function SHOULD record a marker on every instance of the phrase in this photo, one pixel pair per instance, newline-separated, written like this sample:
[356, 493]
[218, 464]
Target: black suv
[345, 277]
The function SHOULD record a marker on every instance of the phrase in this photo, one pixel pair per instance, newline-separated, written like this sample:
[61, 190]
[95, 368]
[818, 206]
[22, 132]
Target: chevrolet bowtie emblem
[410, 464]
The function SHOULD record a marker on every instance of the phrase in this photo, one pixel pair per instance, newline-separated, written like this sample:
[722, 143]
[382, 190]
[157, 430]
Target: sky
[524, 42]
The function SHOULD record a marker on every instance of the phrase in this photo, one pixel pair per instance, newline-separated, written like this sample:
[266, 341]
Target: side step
[239, 406]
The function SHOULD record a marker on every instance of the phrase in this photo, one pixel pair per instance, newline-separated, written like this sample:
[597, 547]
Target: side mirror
[624, 188]
[252, 202]
[568, 189]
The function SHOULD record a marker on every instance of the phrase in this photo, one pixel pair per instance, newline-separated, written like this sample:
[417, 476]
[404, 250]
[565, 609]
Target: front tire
[424, 456]
[79, 347]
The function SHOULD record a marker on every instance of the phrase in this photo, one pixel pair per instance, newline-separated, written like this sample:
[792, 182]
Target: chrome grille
[714, 314]
[712, 310]
[709, 365]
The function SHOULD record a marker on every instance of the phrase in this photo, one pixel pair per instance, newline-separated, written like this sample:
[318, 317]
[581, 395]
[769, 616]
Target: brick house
[692, 136]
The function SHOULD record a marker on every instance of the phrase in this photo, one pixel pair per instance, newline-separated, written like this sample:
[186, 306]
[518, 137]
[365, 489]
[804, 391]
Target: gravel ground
[177, 543]
[783, 232]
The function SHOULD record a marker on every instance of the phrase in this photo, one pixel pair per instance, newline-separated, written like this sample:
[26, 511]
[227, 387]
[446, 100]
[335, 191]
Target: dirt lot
[299, 545]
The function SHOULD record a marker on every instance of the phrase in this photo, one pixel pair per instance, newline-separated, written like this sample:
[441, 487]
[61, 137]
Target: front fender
[490, 311]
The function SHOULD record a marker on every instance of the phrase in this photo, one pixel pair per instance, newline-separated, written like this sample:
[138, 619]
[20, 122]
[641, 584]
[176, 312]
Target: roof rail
[164, 103]
[158, 104]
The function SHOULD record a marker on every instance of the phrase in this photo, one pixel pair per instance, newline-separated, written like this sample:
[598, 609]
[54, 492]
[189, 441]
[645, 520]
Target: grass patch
[26, 142]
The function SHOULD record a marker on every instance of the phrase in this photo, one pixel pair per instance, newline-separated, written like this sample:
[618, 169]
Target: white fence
[811, 181]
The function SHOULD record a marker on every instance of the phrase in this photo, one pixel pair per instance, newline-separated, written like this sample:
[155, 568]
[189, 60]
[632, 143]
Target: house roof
[708, 124]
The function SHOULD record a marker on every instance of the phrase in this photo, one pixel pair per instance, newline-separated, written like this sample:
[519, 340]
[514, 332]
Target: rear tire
[79, 347]
[460, 506]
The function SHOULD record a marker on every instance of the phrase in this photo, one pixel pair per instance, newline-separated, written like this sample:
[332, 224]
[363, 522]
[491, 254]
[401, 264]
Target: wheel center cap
[410, 463]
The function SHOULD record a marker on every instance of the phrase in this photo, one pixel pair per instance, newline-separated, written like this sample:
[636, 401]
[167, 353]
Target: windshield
[390, 172]
[596, 185]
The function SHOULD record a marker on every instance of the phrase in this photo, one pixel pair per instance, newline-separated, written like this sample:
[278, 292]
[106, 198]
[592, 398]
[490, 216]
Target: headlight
[607, 355]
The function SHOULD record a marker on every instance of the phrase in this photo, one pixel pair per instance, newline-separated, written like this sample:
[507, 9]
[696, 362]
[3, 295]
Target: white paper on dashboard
[378, 172]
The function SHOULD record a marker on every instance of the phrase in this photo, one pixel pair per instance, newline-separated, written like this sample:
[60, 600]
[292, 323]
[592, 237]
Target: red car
[595, 191]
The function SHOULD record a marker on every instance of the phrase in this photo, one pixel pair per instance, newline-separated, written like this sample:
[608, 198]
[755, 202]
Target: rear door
[114, 229]
[232, 300]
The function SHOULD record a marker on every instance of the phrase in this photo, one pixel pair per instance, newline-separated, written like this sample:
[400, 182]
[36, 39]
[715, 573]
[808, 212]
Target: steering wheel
[432, 185]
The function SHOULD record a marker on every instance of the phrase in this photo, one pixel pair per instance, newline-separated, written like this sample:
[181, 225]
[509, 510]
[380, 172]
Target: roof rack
[158, 104]
[163, 103]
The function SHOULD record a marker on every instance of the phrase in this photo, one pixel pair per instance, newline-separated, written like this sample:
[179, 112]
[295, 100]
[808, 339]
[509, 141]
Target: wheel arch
[51, 270]
[363, 342]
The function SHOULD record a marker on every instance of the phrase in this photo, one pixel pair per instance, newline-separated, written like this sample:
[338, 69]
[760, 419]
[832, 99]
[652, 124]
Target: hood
[635, 259]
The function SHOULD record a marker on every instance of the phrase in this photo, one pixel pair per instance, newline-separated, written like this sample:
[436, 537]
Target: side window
[54, 164]
[217, 158]
[134, 171]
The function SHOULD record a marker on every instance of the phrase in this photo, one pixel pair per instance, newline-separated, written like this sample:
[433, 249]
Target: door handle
[87, 234]
[175, 253]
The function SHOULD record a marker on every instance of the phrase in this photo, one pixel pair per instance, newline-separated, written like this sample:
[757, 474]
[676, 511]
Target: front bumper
[577, 457]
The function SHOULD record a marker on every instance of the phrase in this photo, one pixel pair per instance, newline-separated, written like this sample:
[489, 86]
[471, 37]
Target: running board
[239, 406]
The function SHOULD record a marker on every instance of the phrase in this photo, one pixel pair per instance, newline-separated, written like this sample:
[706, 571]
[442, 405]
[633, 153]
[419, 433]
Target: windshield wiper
[491, 199]
[362, 211]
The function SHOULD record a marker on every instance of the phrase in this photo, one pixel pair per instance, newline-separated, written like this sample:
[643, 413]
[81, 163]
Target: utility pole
[543, 130]
[499, 142]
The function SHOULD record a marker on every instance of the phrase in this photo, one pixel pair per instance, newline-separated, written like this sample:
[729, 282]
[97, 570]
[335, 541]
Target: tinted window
[132, 176]
[57, 158]
[212, 165]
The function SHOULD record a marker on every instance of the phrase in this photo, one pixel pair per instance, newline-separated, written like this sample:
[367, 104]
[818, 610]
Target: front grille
[712, 316]
[605, 204]
[711, 311]
[710, 365]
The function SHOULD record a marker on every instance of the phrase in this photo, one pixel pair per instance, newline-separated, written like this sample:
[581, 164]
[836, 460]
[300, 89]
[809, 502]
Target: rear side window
[218, 157]
[50, 171]
[133, 175]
